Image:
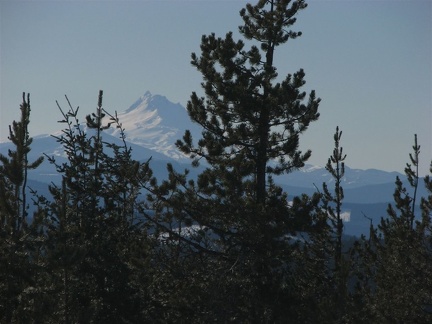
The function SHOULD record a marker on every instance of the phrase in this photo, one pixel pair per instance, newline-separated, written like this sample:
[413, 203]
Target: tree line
[113, 244]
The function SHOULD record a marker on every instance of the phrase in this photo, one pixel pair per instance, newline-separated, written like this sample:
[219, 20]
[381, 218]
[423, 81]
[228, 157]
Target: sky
[370, 62]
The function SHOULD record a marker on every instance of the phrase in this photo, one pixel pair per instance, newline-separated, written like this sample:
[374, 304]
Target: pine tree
[249, 119]
[324, 275]
[238, 220]
[333, 207]
[14, 171]
[396, 262]
[335, 212]
[94, 240]
[16, 236]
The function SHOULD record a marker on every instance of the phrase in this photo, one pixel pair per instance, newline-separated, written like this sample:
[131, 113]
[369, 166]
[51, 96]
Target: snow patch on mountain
[310, 168]
[156, 123]
[311, 176]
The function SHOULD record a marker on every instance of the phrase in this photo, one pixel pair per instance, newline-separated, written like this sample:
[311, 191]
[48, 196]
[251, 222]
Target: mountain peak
[149, 101]
[146, 98]
[147, 94]
[156, 123]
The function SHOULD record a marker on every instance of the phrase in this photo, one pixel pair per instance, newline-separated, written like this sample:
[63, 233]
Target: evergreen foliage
[91, 228]
[395, 263]
[324, 262]
[18, 239]
[251, 127]
[249, 119]
[113, 244]
[335, 213]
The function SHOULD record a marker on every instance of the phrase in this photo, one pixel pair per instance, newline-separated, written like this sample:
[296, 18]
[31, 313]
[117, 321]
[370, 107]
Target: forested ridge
[113, 244]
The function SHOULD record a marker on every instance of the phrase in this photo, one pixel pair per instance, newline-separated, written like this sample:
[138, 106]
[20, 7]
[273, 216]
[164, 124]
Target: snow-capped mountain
[156, 123]
[153, 124]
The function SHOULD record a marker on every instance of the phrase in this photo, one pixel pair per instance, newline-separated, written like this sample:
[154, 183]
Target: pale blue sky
[369, 61]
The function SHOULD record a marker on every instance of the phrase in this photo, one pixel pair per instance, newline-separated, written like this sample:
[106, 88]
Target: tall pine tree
[394, 282]
[251, 123]
[234, 217]
[16, 236]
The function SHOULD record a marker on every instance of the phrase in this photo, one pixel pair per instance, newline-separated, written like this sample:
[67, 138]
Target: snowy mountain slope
[47, 145]
[156, 123]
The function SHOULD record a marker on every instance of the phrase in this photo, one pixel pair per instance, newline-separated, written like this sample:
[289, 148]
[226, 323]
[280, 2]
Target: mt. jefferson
[156, 123]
